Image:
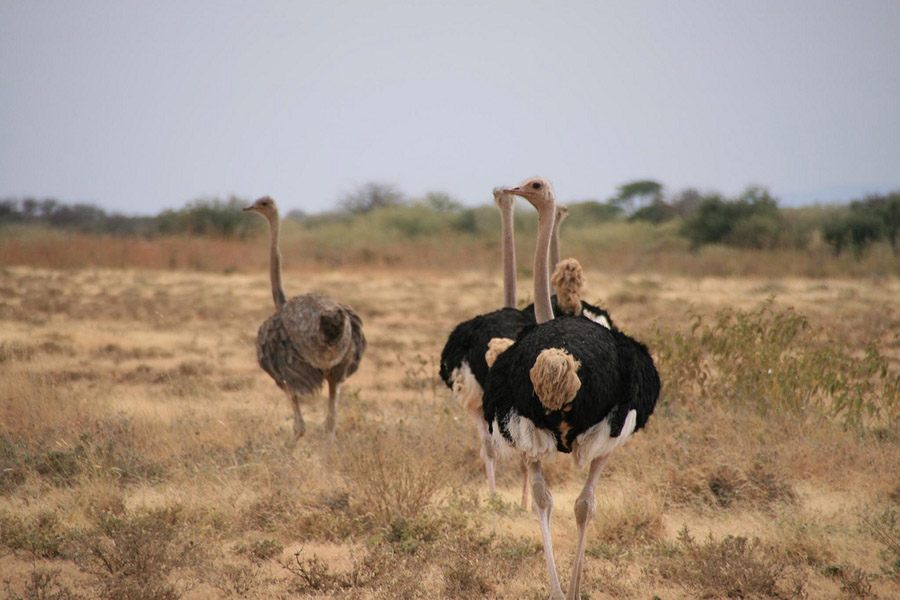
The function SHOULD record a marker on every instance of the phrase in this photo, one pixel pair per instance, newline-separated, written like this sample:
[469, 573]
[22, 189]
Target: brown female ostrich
[310, 338]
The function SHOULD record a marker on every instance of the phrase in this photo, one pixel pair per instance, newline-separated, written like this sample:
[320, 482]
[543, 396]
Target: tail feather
[554, 377]
[496, 347]
[331, 324]
[568, 279]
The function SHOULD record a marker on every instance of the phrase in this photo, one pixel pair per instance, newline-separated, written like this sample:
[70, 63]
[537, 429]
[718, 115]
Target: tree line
[753, 219]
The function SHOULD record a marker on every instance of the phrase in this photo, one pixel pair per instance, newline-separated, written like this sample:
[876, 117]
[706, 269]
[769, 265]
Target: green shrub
[749, 221]
[769, 358]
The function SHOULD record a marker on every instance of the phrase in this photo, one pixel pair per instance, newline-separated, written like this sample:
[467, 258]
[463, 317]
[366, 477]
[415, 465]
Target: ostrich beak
[246, 208]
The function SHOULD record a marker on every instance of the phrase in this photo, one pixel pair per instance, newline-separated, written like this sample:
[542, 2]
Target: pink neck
[543, 311]
[509, 256]
[275, 264]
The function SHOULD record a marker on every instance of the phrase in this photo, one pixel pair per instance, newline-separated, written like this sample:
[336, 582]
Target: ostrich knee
[541, 496]
[488, 452]
[584, 509]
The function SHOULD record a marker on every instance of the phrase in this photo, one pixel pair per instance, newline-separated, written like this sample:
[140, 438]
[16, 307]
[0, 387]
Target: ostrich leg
[584, 510]
[525, 482]
[334, 392]
[543, 504]
[299, 425]
[487, 451]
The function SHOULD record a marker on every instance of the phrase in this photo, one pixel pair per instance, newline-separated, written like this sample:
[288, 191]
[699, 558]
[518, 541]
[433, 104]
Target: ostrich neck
[543, 311]
[554, 246]
[275, 264]
[509, 257]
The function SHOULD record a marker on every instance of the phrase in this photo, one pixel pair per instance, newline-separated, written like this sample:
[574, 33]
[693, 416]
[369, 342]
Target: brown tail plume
[568, 279]
[555, 378]
[496, 347]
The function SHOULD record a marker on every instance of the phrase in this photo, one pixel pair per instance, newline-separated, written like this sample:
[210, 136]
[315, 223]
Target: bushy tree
[591, 211]
[635, 194]
[369, 197]
[866, 221]
[750, 221]
[658, 211]
[210, 216]
[441, 202]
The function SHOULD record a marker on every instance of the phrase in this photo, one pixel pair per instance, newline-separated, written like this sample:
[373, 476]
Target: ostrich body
[567, 385]
[466, 355]
[309, 339]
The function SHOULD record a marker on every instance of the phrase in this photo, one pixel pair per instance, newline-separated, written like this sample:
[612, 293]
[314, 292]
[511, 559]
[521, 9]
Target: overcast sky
[138, 106]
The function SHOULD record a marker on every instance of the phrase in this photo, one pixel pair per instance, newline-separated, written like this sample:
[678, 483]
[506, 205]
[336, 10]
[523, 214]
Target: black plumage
[617, 375]
[588, 311]
[468, 342]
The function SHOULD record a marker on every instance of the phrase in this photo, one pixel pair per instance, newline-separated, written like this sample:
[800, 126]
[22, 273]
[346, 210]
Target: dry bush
[133, 555]
[42, 584]
[805, 540]
[260, 550]
[41, 535]
[725, 475]
[33, 409]
[636, 521]
[468, 576]
[733, 567]
[855, 583]
[392, 475]
[107, 448]
[756, 487]
[238, 580]
[612, 578]
[315, 575]
[885, 529]
[270, 512]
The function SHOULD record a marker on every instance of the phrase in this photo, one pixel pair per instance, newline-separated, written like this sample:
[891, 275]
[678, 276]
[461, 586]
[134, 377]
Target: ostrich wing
[351, 360]
[279, 356]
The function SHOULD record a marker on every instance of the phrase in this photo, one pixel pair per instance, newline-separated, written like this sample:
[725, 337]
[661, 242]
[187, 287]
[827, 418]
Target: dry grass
[617, 247]
[143, 454]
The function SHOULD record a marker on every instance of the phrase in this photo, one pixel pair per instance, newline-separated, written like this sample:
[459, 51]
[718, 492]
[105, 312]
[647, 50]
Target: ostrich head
[265, 206]
[562, 213]
[536, 190]
[503, 199]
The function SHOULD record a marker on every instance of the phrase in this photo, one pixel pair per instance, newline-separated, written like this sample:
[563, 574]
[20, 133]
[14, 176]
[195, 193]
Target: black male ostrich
[567, 385]
[467, 356]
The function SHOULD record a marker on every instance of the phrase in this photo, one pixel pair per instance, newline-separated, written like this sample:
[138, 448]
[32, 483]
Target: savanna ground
[143, 454]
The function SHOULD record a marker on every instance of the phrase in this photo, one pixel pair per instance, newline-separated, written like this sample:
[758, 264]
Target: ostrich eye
[536, 185]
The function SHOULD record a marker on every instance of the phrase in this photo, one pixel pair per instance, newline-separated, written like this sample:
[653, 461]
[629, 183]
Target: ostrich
[468, 353]
[568, 280]
[569, 385]
[310, 338]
